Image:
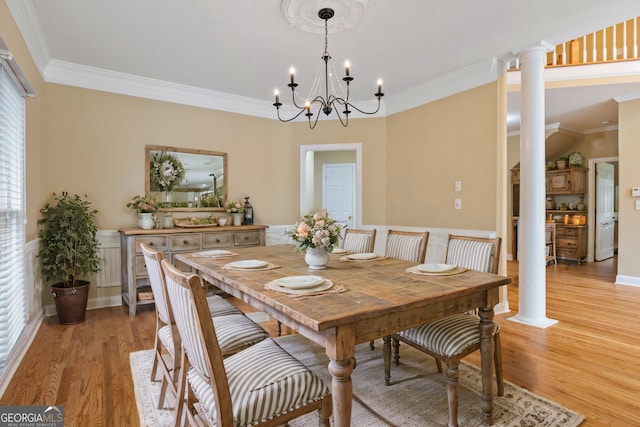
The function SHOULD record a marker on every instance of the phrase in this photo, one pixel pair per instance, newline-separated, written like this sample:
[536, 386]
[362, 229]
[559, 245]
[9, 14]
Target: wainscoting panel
[110, 259]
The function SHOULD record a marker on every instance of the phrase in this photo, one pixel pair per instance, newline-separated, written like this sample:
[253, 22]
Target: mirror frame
[177, 151]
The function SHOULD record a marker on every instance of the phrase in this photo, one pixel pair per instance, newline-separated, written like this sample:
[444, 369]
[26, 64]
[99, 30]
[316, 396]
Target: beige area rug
[417, 396]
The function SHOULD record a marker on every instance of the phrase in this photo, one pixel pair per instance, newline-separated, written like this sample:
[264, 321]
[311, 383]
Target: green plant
[68, 242]
[143, 204]
[563, 158]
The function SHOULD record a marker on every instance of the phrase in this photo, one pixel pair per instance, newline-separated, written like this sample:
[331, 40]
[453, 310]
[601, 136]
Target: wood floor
[589, 361]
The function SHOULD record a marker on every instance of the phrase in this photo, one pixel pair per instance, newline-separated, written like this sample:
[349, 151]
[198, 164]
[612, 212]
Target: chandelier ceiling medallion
[329, 102]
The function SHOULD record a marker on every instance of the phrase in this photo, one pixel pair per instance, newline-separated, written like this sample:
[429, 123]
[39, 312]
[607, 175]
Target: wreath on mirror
[166, 171]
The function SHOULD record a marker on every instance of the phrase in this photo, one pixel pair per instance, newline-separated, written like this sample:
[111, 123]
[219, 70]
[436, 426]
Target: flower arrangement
[316, 230]
[166, 171]
[143, 204]
[234, 207]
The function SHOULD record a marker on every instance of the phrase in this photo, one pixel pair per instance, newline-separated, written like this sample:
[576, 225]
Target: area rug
[416, 397]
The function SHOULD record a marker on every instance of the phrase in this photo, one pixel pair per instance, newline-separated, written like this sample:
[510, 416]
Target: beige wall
[629, 176]
[432, 146]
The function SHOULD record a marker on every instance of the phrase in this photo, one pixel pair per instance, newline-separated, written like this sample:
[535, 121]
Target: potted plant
[68, 253]
[146, 208]
[561, 162]
[236, 209]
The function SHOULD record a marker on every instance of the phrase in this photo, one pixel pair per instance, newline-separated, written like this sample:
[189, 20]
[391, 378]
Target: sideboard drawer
[570, 232]
[185, 242]
[216, 240]
[569, 253]
[246, 238]
[141, 266]
[159, 243]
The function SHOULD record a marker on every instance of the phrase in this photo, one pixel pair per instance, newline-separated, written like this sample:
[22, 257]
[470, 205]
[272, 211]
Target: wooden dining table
[380, 297]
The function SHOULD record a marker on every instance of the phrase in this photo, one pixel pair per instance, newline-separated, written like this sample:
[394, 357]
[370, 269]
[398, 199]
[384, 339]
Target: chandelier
[326, 103]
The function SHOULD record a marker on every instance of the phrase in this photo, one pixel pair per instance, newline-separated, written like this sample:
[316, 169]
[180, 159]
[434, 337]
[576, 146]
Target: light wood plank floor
[589, 361]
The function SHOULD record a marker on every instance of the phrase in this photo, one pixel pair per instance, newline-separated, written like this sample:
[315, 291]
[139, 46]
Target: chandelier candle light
[328, 103]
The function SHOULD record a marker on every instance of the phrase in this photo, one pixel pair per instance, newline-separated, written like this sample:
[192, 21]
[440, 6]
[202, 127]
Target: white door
[605, 224]
[338, 192]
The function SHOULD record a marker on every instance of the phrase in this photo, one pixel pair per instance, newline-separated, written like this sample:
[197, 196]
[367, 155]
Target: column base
[541, 323]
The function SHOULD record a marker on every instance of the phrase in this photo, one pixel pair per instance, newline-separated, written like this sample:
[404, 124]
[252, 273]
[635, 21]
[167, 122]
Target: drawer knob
[150, 243]
[217, 240]
[184, 242]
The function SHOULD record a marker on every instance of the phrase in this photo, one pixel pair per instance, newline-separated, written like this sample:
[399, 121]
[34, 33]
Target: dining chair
[262, 385]
[236, 331]
[408, 246]
[359, 241]
[450, 339]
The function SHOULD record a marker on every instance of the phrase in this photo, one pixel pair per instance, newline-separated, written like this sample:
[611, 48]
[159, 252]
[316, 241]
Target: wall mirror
[185, 179]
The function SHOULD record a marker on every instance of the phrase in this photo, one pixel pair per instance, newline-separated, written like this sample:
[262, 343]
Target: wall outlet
[458, 185]
[638, 205]
[457, 203]
[635, 191]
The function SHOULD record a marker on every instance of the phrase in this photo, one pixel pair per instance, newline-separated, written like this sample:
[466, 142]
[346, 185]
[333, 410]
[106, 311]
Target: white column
[531, 226]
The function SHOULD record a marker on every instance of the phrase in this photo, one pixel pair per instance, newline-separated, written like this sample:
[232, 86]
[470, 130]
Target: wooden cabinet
[571, 242]
[567, 181]
[174, 241]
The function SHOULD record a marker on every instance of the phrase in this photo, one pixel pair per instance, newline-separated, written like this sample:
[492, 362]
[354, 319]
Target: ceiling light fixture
[328, 103]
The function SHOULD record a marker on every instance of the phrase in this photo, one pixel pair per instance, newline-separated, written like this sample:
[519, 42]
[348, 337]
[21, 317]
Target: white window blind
[12, 210]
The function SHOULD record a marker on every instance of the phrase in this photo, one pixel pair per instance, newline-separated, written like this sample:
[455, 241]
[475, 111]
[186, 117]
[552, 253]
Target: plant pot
[561, 164]
[71, 303]
[145, 221]
[237, 218]
[316, 258]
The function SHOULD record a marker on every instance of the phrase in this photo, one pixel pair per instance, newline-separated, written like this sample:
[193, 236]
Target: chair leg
[163, 392]
[438, 365]
[497, 361]
[452, 394]
[386, 352]
[325, 411]
[372, 345]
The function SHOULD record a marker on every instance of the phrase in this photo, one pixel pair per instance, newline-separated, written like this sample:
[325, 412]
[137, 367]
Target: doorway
[312, 159]
[602, 208]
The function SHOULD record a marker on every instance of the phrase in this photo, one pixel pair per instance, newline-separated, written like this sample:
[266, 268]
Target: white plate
[339, 251]
[248, 263]
[214, 252]
[436, 268]
[364, 255]
[300, 282]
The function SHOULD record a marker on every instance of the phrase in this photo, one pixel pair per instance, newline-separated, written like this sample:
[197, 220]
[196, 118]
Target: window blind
[13, 307]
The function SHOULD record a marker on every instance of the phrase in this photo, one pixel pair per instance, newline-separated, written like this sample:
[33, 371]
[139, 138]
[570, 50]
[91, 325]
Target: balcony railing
[615, 43]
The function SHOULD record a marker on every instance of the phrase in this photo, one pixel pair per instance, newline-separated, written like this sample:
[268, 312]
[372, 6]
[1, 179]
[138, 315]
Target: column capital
[534, 47]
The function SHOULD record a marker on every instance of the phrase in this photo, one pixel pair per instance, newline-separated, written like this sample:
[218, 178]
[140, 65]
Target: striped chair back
[475, 253]
[195, 326]
[152, 259]
[407, 245]
[359, 241]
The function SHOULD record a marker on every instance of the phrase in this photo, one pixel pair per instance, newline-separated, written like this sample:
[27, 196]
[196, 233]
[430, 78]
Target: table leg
[342, 390]
[487, 329]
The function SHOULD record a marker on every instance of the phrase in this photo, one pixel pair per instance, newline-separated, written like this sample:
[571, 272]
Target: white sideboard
[173, 241]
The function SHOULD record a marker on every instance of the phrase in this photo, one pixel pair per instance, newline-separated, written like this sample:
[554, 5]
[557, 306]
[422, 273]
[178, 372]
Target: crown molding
[27, 21]
[449, 84]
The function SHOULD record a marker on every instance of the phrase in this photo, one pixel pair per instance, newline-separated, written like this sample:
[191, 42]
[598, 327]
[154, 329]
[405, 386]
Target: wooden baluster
[624, 40]
[635, 38]
[584, 50]
[604, 44]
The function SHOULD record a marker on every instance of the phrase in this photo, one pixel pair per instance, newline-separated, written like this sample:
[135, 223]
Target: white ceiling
[232, 54]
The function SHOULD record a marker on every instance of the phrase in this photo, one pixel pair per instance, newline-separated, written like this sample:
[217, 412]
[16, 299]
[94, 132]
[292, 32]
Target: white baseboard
[92, 304]
[627, 280]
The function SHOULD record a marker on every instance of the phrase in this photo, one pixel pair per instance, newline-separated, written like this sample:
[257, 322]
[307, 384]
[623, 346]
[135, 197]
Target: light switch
[457, 204]
[635, 191]
[458, 185]
[638, 205]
